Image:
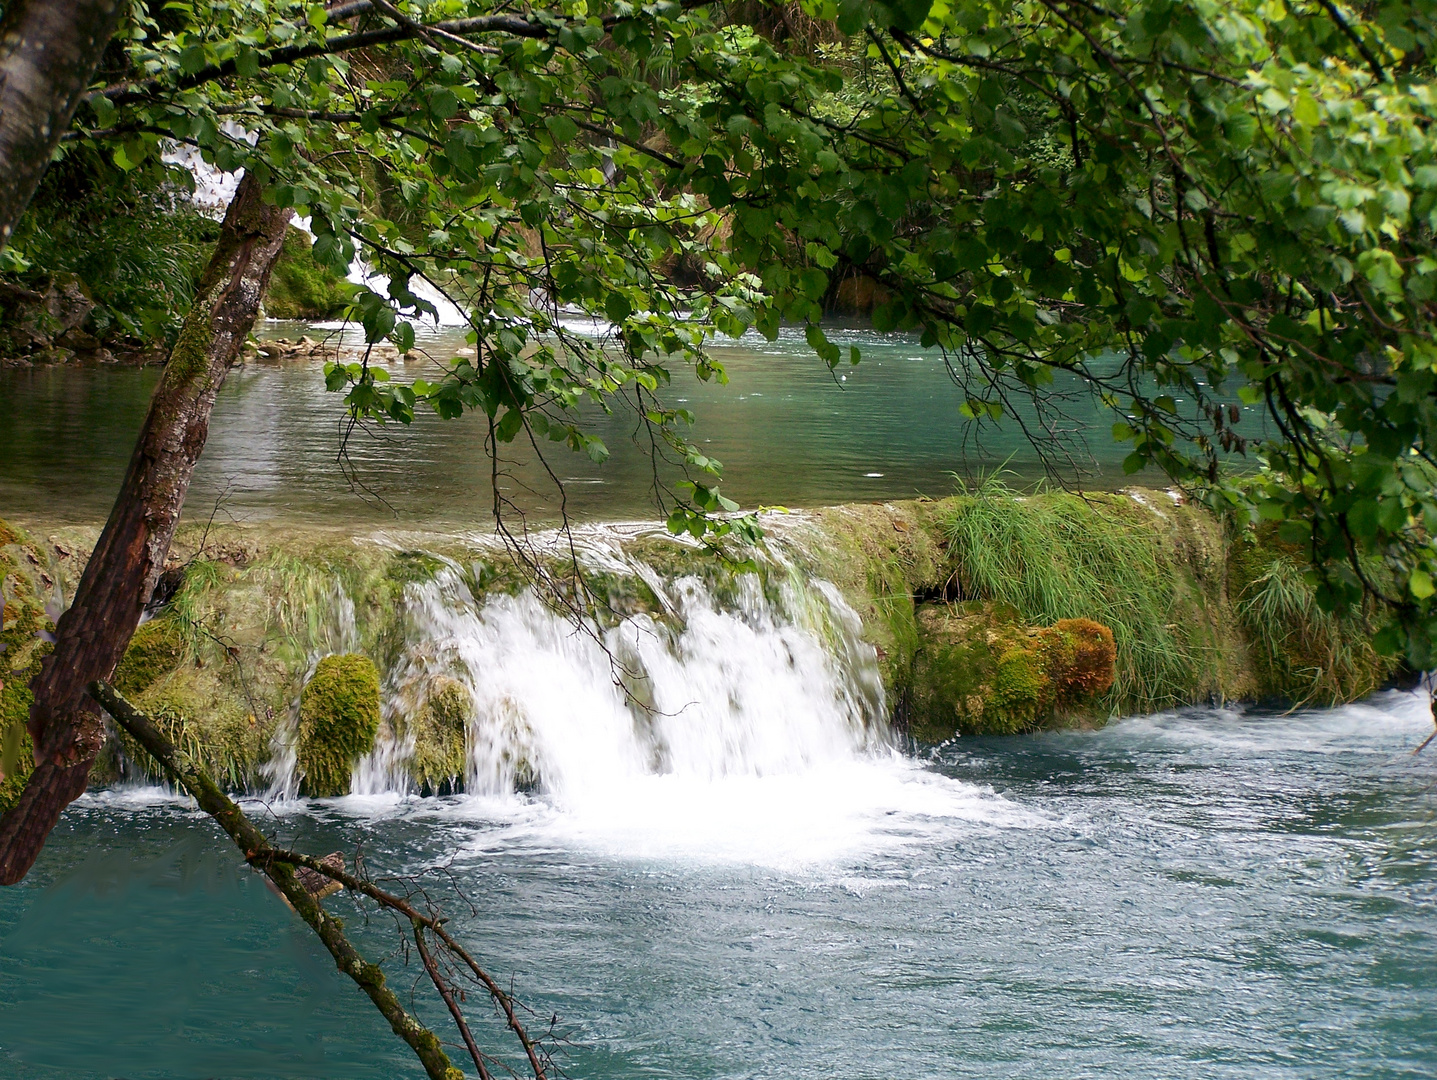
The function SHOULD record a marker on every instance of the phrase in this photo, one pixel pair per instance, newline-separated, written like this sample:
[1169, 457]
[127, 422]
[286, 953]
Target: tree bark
[120, 577]
[48, 52]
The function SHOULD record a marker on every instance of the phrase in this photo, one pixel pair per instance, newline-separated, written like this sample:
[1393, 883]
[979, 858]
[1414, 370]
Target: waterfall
[448, 313]
[758, 684]
[214, 188]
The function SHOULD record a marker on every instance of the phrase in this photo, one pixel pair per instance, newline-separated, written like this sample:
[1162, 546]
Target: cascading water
[712, 715]
[738, 723]
[335, 631]
[751, 687]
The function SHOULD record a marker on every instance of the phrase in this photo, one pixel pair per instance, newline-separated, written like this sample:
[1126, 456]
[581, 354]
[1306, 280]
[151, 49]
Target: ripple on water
[1199, 894]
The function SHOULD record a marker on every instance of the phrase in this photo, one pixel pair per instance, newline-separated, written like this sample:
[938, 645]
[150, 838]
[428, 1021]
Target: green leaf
[1420, 582]
[509, 425]
[564, 130]
[404, 336]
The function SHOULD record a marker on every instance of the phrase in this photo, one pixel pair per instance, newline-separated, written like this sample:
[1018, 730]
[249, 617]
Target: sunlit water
[1200, 894]
[787, 430]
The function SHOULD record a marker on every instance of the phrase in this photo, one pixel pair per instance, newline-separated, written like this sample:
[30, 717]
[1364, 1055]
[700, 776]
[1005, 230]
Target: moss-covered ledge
[1200, 609]
[971, 605]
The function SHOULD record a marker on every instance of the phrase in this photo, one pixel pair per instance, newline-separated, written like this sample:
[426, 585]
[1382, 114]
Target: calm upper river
[788, 431]
[1193, 895]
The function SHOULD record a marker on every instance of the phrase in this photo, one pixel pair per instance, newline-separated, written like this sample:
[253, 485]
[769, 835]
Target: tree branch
[257, 851]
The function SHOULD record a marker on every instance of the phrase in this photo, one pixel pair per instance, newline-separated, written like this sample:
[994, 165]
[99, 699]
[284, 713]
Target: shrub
[134, 238]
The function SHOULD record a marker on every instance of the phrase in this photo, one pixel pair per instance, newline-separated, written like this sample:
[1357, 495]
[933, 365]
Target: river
[1198, 894]
[763, 881]
[787, 430]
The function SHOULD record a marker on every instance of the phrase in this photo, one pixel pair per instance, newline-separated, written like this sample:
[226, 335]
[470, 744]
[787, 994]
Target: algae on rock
[338, 719]
[26, 633]
[980, 670]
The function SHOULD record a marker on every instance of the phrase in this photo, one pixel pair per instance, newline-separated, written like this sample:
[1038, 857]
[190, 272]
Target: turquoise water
[1193, 895]
[788, 431]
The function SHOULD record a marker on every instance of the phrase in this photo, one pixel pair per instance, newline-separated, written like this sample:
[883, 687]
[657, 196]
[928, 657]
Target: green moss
[979, 670]
[156, 649]
[1020, 688]
[300, 288]
[190, 356]
[24, 628]
[439, 727]
[338, 719]
[879, 556]
[198, 714]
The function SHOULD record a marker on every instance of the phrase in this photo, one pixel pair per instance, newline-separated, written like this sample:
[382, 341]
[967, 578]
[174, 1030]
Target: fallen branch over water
[283, 868]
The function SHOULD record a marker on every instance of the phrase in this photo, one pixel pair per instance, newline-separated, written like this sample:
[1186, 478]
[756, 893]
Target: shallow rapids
[1198, 894]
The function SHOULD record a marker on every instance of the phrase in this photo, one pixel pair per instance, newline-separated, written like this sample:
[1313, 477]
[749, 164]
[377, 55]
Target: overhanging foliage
[1235, 197]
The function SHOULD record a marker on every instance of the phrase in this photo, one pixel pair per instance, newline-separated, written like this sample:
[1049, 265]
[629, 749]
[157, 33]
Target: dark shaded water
[1202, 894]
[788, 431]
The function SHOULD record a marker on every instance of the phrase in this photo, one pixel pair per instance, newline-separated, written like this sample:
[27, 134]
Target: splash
[756, 685]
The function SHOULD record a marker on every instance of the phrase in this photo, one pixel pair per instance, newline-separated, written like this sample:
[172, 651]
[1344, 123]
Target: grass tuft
[1054, 556]
[1313, 657]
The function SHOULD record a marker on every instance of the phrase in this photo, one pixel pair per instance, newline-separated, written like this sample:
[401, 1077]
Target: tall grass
[1056, 556]
[1315, 657]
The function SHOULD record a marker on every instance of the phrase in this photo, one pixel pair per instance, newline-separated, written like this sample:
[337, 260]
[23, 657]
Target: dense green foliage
[1234, 195]
[133, 238]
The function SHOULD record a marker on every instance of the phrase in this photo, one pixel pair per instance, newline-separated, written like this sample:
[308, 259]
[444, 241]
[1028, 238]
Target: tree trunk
[48, 52]
[121, 574]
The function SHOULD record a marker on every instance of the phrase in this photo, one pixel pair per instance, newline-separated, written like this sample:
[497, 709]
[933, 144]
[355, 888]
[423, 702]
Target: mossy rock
[338, 719]
[440, 730]
[197, 715]
[980, 671]
[156, 649]
[301, 288]
[25, 632]
[879, 556]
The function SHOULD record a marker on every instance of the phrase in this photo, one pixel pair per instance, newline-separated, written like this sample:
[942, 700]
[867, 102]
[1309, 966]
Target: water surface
[788, 431]
[1193, 895]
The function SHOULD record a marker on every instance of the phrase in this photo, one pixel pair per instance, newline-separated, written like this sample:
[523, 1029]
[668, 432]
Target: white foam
[830, 813]
[1382, 724]
[750, 730]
